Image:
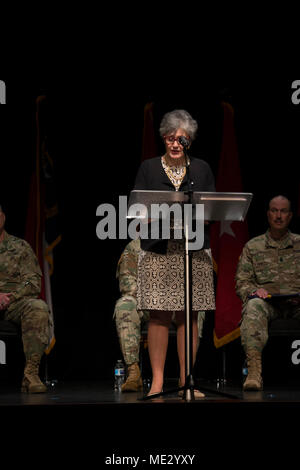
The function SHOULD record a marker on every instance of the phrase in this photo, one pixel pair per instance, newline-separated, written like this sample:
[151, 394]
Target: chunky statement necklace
[174, 173]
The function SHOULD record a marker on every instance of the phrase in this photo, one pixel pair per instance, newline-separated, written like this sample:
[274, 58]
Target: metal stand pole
[189, 381]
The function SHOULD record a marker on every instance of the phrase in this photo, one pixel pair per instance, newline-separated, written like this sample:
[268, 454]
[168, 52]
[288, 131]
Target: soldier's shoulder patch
[19, 245]
[14, 239]
[295, 237]
[134, 245]
[257, 242]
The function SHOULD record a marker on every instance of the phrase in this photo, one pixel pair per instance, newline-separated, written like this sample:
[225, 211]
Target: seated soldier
[20, 285]
[267, 278]
[129, 319]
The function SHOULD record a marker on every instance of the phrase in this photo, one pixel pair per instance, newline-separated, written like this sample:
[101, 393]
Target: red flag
[227, 239]
[149, 149]
[35, 220]
[41, 223]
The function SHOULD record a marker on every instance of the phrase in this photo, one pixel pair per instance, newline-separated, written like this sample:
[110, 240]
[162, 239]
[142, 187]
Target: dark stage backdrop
[95, 136]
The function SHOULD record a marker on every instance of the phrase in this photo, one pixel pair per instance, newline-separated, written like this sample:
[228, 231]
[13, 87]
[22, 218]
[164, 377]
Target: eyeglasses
[170, 139]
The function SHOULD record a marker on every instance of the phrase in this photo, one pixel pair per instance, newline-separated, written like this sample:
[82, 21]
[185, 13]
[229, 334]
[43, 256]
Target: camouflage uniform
[20, 275]
[272, 265]
[128, 319]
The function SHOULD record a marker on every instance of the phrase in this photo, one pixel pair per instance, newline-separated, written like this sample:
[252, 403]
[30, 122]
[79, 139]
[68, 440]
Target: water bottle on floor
[119, 375]
[244, 371]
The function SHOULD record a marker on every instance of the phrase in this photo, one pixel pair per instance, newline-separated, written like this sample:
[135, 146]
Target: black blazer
[152, 176]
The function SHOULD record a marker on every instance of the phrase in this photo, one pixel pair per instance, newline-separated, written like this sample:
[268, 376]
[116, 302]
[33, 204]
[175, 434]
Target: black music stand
[217, 207]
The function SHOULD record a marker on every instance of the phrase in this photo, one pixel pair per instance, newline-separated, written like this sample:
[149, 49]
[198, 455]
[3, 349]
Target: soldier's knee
[255, 307]
[254, 326]
[124, 307]
[38, 308]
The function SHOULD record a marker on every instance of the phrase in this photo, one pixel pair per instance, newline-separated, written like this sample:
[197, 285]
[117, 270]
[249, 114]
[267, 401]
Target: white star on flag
[226, 228]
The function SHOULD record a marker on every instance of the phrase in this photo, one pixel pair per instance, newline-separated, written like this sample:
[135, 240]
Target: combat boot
[254, 378]
[31, 382]
[134, 381]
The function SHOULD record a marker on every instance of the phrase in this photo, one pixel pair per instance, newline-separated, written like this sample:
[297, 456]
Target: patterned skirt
[160, 282]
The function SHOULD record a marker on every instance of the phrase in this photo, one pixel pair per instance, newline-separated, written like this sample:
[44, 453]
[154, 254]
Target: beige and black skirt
[160, 283]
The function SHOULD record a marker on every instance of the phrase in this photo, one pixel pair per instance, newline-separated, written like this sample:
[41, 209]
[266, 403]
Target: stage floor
[98, 393]
[80, 421]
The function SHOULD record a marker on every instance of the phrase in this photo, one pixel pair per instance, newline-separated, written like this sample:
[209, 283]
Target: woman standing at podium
[161, 263]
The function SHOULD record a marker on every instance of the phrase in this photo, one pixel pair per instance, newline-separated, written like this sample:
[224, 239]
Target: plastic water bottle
[119, 375]
[244, 371]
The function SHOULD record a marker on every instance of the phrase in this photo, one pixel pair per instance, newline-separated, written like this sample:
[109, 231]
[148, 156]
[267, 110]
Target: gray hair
[178, 119]
[284, 198]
